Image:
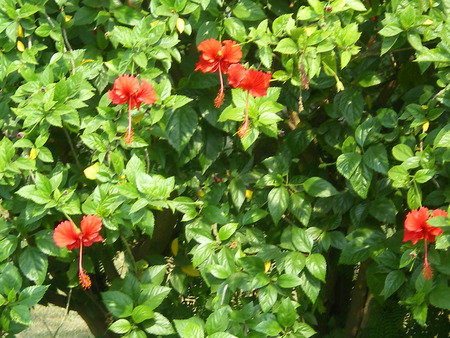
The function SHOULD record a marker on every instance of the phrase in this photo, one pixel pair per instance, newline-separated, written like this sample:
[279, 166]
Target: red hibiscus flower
[67, 235]
[417, 228]
[218, 57]
[127, 89]
[255, 82]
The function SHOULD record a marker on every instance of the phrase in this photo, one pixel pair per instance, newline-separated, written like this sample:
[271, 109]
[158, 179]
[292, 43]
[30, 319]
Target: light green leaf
[278, 201]
[118, 303]
[318, 187]
[316, 264]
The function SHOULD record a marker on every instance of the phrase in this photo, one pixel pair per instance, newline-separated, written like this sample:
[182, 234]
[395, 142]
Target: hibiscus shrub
[226, 168]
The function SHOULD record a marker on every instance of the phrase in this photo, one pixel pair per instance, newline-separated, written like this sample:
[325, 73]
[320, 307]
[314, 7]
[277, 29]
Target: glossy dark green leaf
[118, 303]
[33, 264]
[286, 314]
[394, 280]
[278, 201]
[319, 187]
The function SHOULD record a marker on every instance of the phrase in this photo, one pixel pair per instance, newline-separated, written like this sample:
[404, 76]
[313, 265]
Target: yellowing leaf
[67, 18]
[20, 46]
[20, 32]
[267, 266]
[91, 172]
[427, 22]
[425, 126]
[248, 194]
[200, 193]
[174, 246]
[190, 271]
[33, 153]
[138, 118]
[180, 25]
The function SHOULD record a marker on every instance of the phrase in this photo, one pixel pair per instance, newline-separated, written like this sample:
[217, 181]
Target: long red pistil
[245, 126]
[427, 271]
[218, 101]
[129, 134]
[85, 281]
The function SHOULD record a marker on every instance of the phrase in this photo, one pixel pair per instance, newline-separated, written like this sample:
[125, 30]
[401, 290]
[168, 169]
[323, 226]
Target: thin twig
[66, 312]
[77, 162]
[129, 252]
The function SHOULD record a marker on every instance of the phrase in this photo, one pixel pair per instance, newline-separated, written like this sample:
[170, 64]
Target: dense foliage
[279, 211]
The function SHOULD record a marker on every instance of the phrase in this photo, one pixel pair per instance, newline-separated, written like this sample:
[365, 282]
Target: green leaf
[33, 264]
[251, 264]
[227, 231]
[8, 245]
[248, 10]
[402, 152]
[201, 253]
[294, 262]
[237, 190]
[414, 197]
[350, 104]
[215, 214]
[159, 325]
[235, 29]
[141, 313]
[269, 327]
[356, 5]
[442, 139]
[267, 297]
[376, 158]
[286, 46]
[383, 209]
[118, 303]
[318, 187]
[286, 313]
[424, 175]
[218, 320]
[440, 297]
[253, 215]
[302, 242]
[399, 175]
[316, 264]
[20, 314]
[300, 207]
[347, 163]
[390, 30]
[120, 326]
[31, 295]
[180, 127]
[193, 322]
[278, 200]
[361, 180]
[310, 286]
[394, 280]
[288, 281]
[304, 330]
[208, 30]
[154, 274]
[153, 295]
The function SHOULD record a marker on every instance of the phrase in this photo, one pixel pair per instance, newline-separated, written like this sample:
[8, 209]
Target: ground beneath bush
[47, 319]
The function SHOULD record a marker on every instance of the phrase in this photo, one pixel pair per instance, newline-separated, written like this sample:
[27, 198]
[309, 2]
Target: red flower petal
[125, 86]
[236, 73]
[438, 213]
[416, 219]
[210, 49]
[90, 227]
[257, 82]
[146, 94]
[231, 54]
[66, 235]
[415, 224]
[210, 57]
